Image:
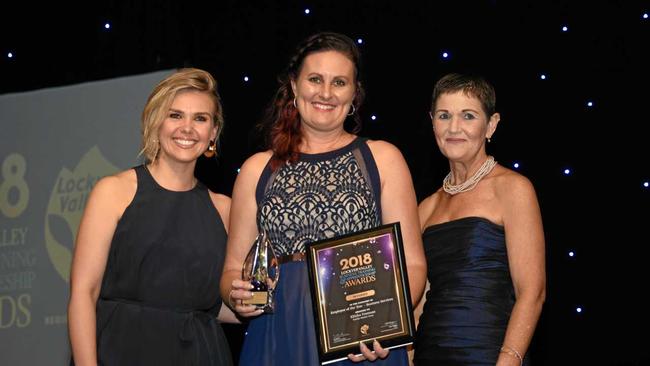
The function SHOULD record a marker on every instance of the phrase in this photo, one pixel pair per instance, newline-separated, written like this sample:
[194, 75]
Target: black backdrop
[599, 211]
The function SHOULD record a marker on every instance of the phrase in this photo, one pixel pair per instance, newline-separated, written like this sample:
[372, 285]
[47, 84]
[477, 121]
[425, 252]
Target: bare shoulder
[256, 163]
[119, 185]
[115, 192]
[427, 206]
[389, 160]
[248, 178]
[511, 185]
[430, 202]
[220, 201]
[384, 150]
[222, 204]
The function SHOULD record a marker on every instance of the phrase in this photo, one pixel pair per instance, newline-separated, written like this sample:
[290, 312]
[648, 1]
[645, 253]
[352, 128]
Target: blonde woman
[151, 244]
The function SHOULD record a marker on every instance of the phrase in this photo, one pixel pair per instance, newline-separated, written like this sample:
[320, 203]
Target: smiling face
[325, 89]
[188, 127]
[461, 125]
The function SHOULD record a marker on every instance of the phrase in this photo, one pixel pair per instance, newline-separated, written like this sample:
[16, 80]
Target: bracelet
[512, 352]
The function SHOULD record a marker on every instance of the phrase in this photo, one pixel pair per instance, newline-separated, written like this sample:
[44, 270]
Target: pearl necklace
[471, 182]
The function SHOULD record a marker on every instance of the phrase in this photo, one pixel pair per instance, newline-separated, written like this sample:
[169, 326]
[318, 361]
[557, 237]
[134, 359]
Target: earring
[211, 149]
[294, 103]
[489, 140]
[353, 110]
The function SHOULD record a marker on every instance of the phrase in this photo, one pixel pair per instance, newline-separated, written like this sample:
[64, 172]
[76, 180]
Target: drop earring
[212, 148]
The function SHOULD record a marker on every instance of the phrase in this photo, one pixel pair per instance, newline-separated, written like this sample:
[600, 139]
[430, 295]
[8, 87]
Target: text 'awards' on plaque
[359, 287]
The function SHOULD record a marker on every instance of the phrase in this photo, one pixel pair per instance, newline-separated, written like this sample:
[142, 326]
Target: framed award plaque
[360, 292]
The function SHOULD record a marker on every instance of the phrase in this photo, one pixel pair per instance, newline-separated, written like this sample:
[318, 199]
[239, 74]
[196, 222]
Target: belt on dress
[189, 331]
[294, 257]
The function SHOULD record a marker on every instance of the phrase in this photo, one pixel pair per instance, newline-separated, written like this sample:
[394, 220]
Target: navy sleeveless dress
[160, 293]
[471, 295]
[320, 196]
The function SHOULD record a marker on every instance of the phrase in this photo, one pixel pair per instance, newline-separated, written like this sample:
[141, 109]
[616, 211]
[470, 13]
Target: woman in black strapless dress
[483, 240]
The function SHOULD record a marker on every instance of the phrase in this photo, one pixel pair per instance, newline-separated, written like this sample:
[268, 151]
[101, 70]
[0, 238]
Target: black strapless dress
[471, 294]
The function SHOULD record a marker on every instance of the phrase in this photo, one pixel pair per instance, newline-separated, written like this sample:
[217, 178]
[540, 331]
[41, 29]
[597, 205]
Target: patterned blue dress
[320, 196]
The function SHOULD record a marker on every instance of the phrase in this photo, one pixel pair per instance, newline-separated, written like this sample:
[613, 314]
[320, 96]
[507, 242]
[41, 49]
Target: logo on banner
[67, 201]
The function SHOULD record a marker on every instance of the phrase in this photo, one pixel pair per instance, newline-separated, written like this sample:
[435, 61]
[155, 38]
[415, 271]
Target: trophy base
[259, 298]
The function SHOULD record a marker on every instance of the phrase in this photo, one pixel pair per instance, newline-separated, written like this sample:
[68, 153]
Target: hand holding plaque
[262, 271]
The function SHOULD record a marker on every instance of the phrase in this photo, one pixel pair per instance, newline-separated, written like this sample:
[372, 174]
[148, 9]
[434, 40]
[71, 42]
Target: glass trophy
[262, 271]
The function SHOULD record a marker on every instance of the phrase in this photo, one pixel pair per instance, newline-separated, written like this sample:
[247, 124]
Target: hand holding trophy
[262, 271]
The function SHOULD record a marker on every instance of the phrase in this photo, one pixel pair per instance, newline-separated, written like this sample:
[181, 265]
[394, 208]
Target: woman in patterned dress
[317, 180]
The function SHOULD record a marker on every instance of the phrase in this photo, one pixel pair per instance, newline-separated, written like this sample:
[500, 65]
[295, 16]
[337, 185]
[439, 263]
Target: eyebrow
[321, 75]
[196, 114]
[462, 110]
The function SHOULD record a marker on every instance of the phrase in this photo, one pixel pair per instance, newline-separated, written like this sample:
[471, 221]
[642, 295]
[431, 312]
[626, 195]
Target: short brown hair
[471, 85]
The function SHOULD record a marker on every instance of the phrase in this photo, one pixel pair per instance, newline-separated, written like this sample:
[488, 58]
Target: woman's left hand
[367, 354]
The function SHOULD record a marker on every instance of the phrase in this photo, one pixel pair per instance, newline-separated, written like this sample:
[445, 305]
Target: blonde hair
[161, 98]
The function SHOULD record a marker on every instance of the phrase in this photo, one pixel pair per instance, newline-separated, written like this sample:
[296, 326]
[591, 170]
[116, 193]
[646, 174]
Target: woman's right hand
[239, 291]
